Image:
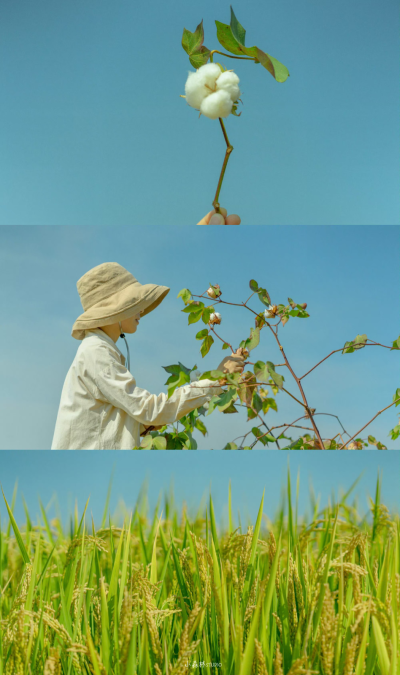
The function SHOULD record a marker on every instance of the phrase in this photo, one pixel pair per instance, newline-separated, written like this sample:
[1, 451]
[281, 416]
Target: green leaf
[206, 346]
[147, 442]
[193, 307]
[17, 533]
[253, 285]
[177, 368]
[260, 320]
[160, 443]
[262, 436]
[358, 343]
[194, 317]
[396, 397]
[192, 43]
[278, 379]
[396, 344]
[259, 435]
[300, 313]
[226, 38]
[275, 67]
[207, 313]
[256, 402]
[264, 297]
[212, 404]
[237, 29]
[261, 371]
[233, 378]
[186, 295]
[383, 658]
[177, 380]
[232, 38]
[229, 410]
[269, 403]
[212, 375]
[201, 427]
[230, 446]
[395, 432]
[225, 345]
[226, 398]
[254, 339]
[246, 389]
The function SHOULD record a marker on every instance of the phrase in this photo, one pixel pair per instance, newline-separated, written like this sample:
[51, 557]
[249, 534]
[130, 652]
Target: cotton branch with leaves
[252, 389]
[212, 89]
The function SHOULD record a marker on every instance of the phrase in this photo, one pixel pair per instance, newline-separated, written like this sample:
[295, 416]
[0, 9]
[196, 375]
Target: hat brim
[131, 300]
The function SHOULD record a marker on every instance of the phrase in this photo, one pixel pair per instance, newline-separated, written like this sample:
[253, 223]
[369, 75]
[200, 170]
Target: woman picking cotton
[101, 406]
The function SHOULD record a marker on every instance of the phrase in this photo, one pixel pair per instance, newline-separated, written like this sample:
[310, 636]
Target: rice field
[174, 593]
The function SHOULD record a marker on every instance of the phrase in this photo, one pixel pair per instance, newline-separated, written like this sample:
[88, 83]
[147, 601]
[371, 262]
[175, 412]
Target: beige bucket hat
[109, 294]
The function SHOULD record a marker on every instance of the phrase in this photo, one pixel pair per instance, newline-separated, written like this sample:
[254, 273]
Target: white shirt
[101, 407]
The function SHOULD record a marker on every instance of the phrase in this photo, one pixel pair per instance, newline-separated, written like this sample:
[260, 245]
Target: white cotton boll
[200, 84]
[217, 105]
[209, 73]
[215, 317]
[229, 82]
[195, 90]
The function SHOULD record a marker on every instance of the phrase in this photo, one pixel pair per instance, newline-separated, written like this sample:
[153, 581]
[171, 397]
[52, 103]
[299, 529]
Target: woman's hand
[233, 363]
[214, 218]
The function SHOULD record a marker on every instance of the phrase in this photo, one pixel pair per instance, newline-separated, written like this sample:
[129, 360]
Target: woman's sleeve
[118, 386]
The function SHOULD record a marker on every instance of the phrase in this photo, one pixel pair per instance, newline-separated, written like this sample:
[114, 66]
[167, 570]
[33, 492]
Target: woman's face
[130, 325]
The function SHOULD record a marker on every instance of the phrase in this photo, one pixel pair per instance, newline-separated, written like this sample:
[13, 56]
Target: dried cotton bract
[271, 312]
[212, 91]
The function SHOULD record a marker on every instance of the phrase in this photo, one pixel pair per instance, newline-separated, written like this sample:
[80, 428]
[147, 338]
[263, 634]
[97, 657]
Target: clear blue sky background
[349, 276]
[78, 475]
[93, 132]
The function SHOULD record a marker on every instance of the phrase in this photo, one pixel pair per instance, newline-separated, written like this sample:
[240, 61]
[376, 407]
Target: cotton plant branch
[250, 387]
[395, 402]
[218, 97]
[274, 331]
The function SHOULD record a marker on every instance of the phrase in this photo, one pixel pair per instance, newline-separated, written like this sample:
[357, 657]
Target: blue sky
[349, 276]
[78, 475]
[93, 131]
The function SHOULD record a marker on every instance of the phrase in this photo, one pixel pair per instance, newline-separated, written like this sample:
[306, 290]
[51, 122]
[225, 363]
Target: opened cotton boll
[215, 318]
[201, 83]
[229, 82]
[217, 105]
[271, 312]
[212, 91]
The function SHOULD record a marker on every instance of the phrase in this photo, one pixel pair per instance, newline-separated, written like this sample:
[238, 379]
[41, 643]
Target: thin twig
[371, 420]
[367, 344]
[220, 338]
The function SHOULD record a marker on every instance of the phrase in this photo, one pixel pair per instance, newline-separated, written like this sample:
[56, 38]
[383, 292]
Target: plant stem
[371, 420]
[335, 351]
[229, 149]
[230, 56]
[303, 396]
[220, 338]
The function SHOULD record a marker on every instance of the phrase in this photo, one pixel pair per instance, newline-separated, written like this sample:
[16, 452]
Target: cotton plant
[260, 387]
[214, 90]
